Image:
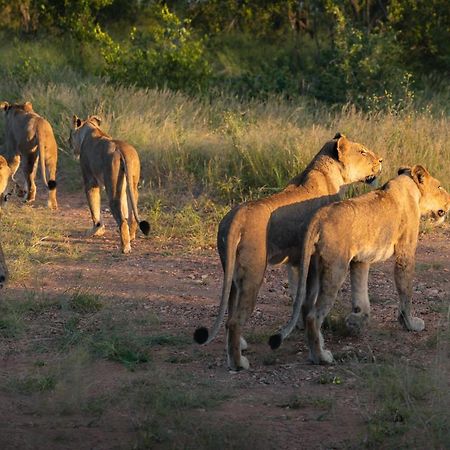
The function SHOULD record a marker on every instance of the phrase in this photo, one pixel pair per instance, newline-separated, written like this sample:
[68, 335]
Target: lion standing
[356, 233]
[29, 139]
[270, 231]
[115, 165]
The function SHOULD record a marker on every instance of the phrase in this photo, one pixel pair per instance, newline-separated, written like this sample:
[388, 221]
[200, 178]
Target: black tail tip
[275, 341]
[51, 185]
[145, 227]
[201, 335]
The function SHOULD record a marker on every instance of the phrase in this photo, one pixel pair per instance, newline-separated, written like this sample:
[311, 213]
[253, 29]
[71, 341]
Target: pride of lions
[307, 226]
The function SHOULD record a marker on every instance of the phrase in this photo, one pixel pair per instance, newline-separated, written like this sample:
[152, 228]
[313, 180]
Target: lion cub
[356, 233]
[114, 165]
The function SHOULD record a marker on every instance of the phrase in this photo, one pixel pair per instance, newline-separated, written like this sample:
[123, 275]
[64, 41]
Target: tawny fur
[115, 165]
[270, 231]
[356, 233]
[29, 139]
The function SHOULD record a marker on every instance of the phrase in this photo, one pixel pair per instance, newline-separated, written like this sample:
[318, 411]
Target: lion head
[358, 163]
[435, 200]
[76, 136]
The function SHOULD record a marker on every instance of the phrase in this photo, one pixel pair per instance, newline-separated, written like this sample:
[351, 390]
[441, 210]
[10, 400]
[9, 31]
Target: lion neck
[404, 187]
[323, 177]
[90, 132]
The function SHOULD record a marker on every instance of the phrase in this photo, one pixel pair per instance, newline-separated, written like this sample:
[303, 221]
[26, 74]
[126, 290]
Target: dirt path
[282, 402]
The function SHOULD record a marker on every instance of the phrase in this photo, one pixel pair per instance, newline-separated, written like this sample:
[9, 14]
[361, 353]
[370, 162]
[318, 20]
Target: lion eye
[440, 187]
[363, 152]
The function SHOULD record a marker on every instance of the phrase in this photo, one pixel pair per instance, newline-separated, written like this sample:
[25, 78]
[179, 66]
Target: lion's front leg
[404, 271]
[358, 319]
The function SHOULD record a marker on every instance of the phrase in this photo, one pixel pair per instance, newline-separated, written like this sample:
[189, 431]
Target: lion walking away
[114, 165]
[29, 139]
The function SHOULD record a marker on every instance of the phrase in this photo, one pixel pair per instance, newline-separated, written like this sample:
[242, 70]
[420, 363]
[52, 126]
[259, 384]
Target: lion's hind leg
[242, 302]
[331, 281]
[93, 199]
[30, 169]
[358, 319]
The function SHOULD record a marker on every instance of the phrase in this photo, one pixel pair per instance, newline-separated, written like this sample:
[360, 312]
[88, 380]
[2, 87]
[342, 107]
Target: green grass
[31, 384]
[222, 146]
[409, 402]
[32, 236]
[84, 302]
[117, 338]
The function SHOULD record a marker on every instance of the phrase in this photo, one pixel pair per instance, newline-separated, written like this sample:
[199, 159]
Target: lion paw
[243, 364]
[416, 324]
[412, 324]
[96, 231]
[126, 249]
[356, 322]
[325, 357]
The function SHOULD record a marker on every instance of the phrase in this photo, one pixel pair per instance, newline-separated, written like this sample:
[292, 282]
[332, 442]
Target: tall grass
[221, 145]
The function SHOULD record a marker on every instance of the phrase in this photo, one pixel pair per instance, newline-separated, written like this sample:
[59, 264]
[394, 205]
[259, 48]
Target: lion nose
[441, 213]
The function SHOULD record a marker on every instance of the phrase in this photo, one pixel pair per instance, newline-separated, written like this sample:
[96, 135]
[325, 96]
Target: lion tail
[41, 148]
[309, 242]
[143, 224]
[201, 334]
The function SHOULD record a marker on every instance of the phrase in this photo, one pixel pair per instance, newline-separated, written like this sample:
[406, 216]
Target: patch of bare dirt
[282, 398]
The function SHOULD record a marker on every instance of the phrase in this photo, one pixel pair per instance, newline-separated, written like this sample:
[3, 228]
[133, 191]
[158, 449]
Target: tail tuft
[145, 227]
[51, 185]
[201, 335]
[275, 341]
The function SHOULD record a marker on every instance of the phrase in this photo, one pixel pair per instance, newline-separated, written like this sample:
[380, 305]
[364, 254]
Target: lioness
[115, 165]
[357, 233]
[271, 229]
[4, 274]
[29, 138]
[5, 173]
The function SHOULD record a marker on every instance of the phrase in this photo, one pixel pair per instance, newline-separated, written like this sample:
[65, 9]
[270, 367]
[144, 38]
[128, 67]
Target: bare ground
[162, 290]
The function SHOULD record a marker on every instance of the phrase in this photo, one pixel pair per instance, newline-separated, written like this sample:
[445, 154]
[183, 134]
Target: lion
[29, 138]
[4, 273]
[5, 173]
[356, 233]
[271, 229]
[114, 165]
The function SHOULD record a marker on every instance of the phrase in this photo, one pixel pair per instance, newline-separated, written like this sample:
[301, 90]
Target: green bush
[164, 55]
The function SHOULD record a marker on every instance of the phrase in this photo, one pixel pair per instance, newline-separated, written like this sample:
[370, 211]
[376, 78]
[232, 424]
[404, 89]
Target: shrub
[165, 55]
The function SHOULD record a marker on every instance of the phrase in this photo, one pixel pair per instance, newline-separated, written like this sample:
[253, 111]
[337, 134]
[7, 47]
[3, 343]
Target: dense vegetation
[231, 98]
[371, 53]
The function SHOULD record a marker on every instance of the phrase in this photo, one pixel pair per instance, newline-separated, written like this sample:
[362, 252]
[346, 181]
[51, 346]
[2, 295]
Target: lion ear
[341, 146]
[96, 120]
[419, 173]
[4, 105]
[404, 170]
[28, 107]
[76, 121]
[338, 135]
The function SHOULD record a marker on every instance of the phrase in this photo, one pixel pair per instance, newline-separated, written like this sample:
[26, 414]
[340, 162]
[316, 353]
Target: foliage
[167, 54]
[370, 53]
